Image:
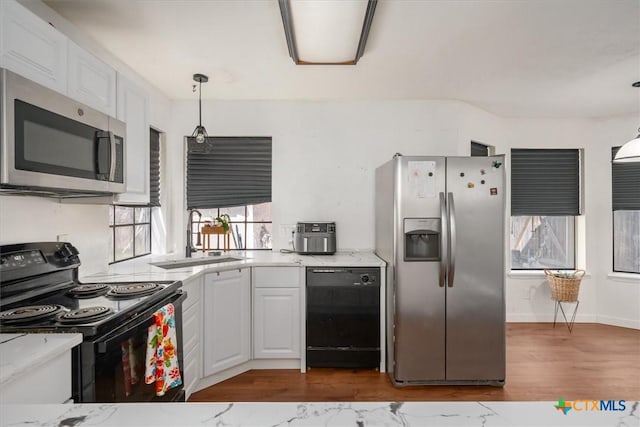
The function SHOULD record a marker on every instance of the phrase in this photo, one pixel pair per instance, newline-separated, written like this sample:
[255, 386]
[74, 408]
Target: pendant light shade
[200, 133]
[629, 152]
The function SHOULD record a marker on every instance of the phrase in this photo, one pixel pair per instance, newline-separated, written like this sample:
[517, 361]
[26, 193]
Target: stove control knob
[67, 251]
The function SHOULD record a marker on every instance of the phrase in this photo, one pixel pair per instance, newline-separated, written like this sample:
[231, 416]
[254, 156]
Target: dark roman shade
[625, 184]
[545, 182]
[228, 171]
[478, 149]
[154, 168]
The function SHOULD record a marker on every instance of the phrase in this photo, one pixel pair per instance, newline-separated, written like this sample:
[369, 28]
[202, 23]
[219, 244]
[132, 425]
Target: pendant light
[629, 152]
[200, 133]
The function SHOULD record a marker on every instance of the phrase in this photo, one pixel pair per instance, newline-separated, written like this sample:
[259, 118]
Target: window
[130, 232]
[545, 198]
[130, 226]
[626, 215]
[539, 242]
[478, 149]
[231, 175]
[251, 227]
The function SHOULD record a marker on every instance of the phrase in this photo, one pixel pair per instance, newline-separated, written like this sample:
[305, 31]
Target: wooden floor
[594, 362]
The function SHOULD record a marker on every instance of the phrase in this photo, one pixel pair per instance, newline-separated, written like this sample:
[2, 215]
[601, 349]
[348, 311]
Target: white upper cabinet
[133, 109]
[91, 81]
[32, 48]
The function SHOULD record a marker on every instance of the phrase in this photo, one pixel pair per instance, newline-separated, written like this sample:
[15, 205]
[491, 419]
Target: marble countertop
[141, 269]
[20, 353]
[483, 414]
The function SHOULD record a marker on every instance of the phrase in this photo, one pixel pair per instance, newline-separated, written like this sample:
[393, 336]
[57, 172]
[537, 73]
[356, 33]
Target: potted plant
[223, 221]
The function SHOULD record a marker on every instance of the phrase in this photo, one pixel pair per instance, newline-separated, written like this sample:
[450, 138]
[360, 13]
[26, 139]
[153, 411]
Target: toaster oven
[315, 238]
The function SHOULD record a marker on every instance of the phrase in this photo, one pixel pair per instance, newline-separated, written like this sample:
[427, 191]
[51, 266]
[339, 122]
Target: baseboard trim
[546, 318]
[618, 321]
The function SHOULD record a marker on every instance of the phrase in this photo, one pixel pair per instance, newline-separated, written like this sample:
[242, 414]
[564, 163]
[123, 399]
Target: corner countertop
[20, 353]
[141, 269]
[291, 414]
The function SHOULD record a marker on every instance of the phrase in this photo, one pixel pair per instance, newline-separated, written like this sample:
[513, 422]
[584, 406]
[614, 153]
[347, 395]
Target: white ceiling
[527, 58]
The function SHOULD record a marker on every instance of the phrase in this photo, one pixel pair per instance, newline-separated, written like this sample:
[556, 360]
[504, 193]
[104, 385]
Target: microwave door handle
[104, 148]
[112, 145]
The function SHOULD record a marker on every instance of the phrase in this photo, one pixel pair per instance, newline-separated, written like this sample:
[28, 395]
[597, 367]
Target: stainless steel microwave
[50, 142]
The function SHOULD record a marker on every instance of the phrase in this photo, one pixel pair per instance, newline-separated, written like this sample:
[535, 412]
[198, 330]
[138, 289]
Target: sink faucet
[189, 248]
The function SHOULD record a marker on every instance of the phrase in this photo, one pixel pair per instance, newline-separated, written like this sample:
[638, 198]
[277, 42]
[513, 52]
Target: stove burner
[85, 315]
[30, 314]
[88, 291]
[133, 290]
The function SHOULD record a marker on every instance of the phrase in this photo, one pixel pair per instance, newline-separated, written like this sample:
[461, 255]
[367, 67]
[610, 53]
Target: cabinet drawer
[190, 327]
[193, 288]
[276, 277]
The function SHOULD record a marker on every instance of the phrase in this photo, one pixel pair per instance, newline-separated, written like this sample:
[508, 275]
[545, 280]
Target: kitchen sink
[188, 262]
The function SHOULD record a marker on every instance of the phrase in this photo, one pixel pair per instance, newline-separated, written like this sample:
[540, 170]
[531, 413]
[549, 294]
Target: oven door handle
[143, 320]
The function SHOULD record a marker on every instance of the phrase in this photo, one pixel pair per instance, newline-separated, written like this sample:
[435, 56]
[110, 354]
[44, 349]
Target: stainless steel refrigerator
[440, 228]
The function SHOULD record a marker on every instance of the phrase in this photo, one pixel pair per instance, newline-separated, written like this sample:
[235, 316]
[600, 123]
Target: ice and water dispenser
[422, 239]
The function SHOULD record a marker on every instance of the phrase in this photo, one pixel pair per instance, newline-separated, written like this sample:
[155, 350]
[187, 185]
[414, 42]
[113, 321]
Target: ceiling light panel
[327, 31]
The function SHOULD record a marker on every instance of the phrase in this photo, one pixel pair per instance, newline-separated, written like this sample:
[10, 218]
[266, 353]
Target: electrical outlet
[62, 238]
[286, 230]
[526, 293]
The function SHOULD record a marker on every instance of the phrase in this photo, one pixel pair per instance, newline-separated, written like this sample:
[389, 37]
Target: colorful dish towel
[162, 355]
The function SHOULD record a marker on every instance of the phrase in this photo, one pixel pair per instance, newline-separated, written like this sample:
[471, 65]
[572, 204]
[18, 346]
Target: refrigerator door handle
[452, 239]
[443, 241]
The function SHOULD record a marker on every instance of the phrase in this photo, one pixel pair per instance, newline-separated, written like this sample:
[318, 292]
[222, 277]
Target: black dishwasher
[343, 317]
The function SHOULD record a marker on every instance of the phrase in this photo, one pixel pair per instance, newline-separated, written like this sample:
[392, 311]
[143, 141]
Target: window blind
[478, 149]
[625, 179]
[228, 171]
[154, 168]
[545, 182]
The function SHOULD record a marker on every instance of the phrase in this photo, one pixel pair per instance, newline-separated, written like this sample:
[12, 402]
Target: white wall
[613, 300]
[324, 156]
[36, 219]
[325, 153]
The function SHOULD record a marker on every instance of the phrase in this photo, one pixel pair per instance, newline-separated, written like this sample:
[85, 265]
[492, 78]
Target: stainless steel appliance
[343, 317]
[440, 228]
[315, 238]
[40, 292]
[51, 143]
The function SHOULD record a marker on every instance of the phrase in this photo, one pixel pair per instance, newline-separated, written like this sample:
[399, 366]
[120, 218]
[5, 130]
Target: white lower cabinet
[227, 320]
[276, 323]
[50, 383]
[192, 334]
[276, 312]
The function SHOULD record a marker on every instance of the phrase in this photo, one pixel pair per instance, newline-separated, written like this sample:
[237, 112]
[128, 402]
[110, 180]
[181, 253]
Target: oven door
[118, 372]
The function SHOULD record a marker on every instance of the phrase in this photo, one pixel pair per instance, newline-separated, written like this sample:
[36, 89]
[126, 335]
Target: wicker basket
[563, 288]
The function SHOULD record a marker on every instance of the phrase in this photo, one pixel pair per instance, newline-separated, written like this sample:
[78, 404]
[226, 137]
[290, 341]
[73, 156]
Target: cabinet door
[32, 48]
[227, 328]
[277, 277]
[276, 323]
[133, 109]
[91, 81]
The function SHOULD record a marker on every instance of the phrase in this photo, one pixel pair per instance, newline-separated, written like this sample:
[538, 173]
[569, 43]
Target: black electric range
[40, 292]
